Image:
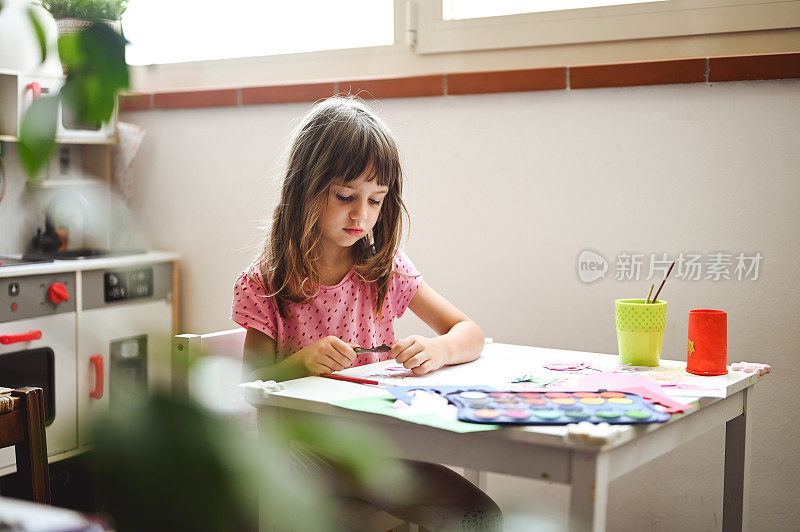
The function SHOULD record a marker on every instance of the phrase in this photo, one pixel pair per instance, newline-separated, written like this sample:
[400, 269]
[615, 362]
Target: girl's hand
[420, 354]
[326, 355]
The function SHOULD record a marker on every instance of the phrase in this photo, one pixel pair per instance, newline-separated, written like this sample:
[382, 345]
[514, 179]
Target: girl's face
[351, 211]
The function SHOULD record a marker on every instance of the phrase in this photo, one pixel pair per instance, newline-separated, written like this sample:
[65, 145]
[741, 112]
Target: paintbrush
[649, 293]
[655, 297]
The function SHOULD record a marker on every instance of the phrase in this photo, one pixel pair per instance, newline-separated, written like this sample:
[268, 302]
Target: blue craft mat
[401, 392]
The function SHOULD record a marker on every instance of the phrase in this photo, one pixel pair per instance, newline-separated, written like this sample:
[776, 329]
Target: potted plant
[76, 15]
[93, 59]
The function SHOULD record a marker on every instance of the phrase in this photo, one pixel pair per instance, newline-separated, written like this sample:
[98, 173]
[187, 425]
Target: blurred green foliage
[86, 9]
[38, 133]
[96, 71]
[167, 465]
[39, 30]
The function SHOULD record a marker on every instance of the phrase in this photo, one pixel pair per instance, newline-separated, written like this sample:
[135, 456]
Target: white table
[542, 452]
[16, 514]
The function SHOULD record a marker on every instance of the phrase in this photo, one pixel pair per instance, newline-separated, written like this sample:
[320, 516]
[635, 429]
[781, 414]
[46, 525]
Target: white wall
[505, 191]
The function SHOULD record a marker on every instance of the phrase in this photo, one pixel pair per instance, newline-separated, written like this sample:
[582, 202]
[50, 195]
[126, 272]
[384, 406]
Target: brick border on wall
[701, 70]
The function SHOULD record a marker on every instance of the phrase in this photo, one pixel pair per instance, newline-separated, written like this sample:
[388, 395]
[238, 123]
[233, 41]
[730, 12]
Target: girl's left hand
[420, 354]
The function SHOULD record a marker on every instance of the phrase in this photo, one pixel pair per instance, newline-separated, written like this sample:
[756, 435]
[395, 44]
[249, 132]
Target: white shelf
[110, 141]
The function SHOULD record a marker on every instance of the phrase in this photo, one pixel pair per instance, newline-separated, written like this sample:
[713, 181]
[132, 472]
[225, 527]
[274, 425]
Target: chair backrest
[188, 348]
[22, 425]
[215, 359]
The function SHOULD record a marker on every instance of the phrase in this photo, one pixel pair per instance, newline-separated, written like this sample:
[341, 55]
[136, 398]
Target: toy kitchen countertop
[15, 265]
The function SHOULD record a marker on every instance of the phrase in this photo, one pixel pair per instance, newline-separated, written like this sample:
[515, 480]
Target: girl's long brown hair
[339, 139]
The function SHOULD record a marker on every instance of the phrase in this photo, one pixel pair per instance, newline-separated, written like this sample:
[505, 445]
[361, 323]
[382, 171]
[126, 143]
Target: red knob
[57, 293]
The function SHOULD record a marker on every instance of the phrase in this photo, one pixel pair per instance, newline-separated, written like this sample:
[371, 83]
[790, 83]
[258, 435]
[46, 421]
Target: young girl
[331, 278]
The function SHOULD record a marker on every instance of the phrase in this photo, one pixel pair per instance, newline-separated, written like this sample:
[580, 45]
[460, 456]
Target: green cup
[640, 331]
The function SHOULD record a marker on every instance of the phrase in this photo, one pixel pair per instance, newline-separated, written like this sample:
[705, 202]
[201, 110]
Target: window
[186, 30]
[462, 25]
[465, 9]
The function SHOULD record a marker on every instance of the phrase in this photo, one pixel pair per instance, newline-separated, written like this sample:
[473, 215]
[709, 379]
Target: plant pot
[75, 25]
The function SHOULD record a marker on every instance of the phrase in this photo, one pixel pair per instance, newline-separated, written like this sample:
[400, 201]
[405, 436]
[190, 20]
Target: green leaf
[358, 453]
[95, 61]
[39, 29]
[167, 465]
[69, 50]
[37, 135]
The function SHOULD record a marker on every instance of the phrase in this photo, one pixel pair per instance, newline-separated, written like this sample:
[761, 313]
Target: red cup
[707, 352]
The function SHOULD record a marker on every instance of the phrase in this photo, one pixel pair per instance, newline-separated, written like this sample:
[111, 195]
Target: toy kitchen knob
[57, 293]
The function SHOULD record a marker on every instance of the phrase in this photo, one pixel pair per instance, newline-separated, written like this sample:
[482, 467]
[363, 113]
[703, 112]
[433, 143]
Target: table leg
[267, 511]
[589, 495]
[737, 472]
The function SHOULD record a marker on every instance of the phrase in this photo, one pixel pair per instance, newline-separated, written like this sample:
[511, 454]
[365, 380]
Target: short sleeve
[251, 307]
[404, 284]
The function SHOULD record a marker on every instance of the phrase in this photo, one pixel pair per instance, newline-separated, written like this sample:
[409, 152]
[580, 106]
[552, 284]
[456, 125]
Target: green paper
[383, 405]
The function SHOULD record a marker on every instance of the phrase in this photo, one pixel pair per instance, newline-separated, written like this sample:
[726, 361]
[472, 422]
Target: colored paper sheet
[383, 405]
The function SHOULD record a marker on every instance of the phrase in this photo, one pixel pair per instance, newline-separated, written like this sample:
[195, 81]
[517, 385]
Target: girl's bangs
[374, 154]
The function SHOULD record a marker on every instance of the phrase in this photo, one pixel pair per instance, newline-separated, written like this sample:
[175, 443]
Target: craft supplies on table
[593, 433]
[555, 408]
[259, 389]
[707, 349]
[751, 367]
[357, 380]
[383, 348]
[640, 330]
[406, 393]
[586, 456]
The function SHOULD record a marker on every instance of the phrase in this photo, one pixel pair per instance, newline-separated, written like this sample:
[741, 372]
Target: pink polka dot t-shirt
[345, 311]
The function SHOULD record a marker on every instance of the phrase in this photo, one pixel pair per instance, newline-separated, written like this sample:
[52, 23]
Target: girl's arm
[460, 339]
[323, 356]
[260, 353]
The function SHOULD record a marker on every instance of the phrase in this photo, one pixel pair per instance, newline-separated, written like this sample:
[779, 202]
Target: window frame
[670, 18]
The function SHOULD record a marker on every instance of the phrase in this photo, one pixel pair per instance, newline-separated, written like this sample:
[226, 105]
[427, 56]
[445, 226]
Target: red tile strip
[755, 67]
[507, 81]
[395, 87]
[775, 66]
[630, 74]
[301, 92]
[199, 98]
[136, 102]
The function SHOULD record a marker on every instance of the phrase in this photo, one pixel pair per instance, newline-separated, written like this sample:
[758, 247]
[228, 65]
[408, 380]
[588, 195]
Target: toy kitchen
[92, 332]
[85, 313]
